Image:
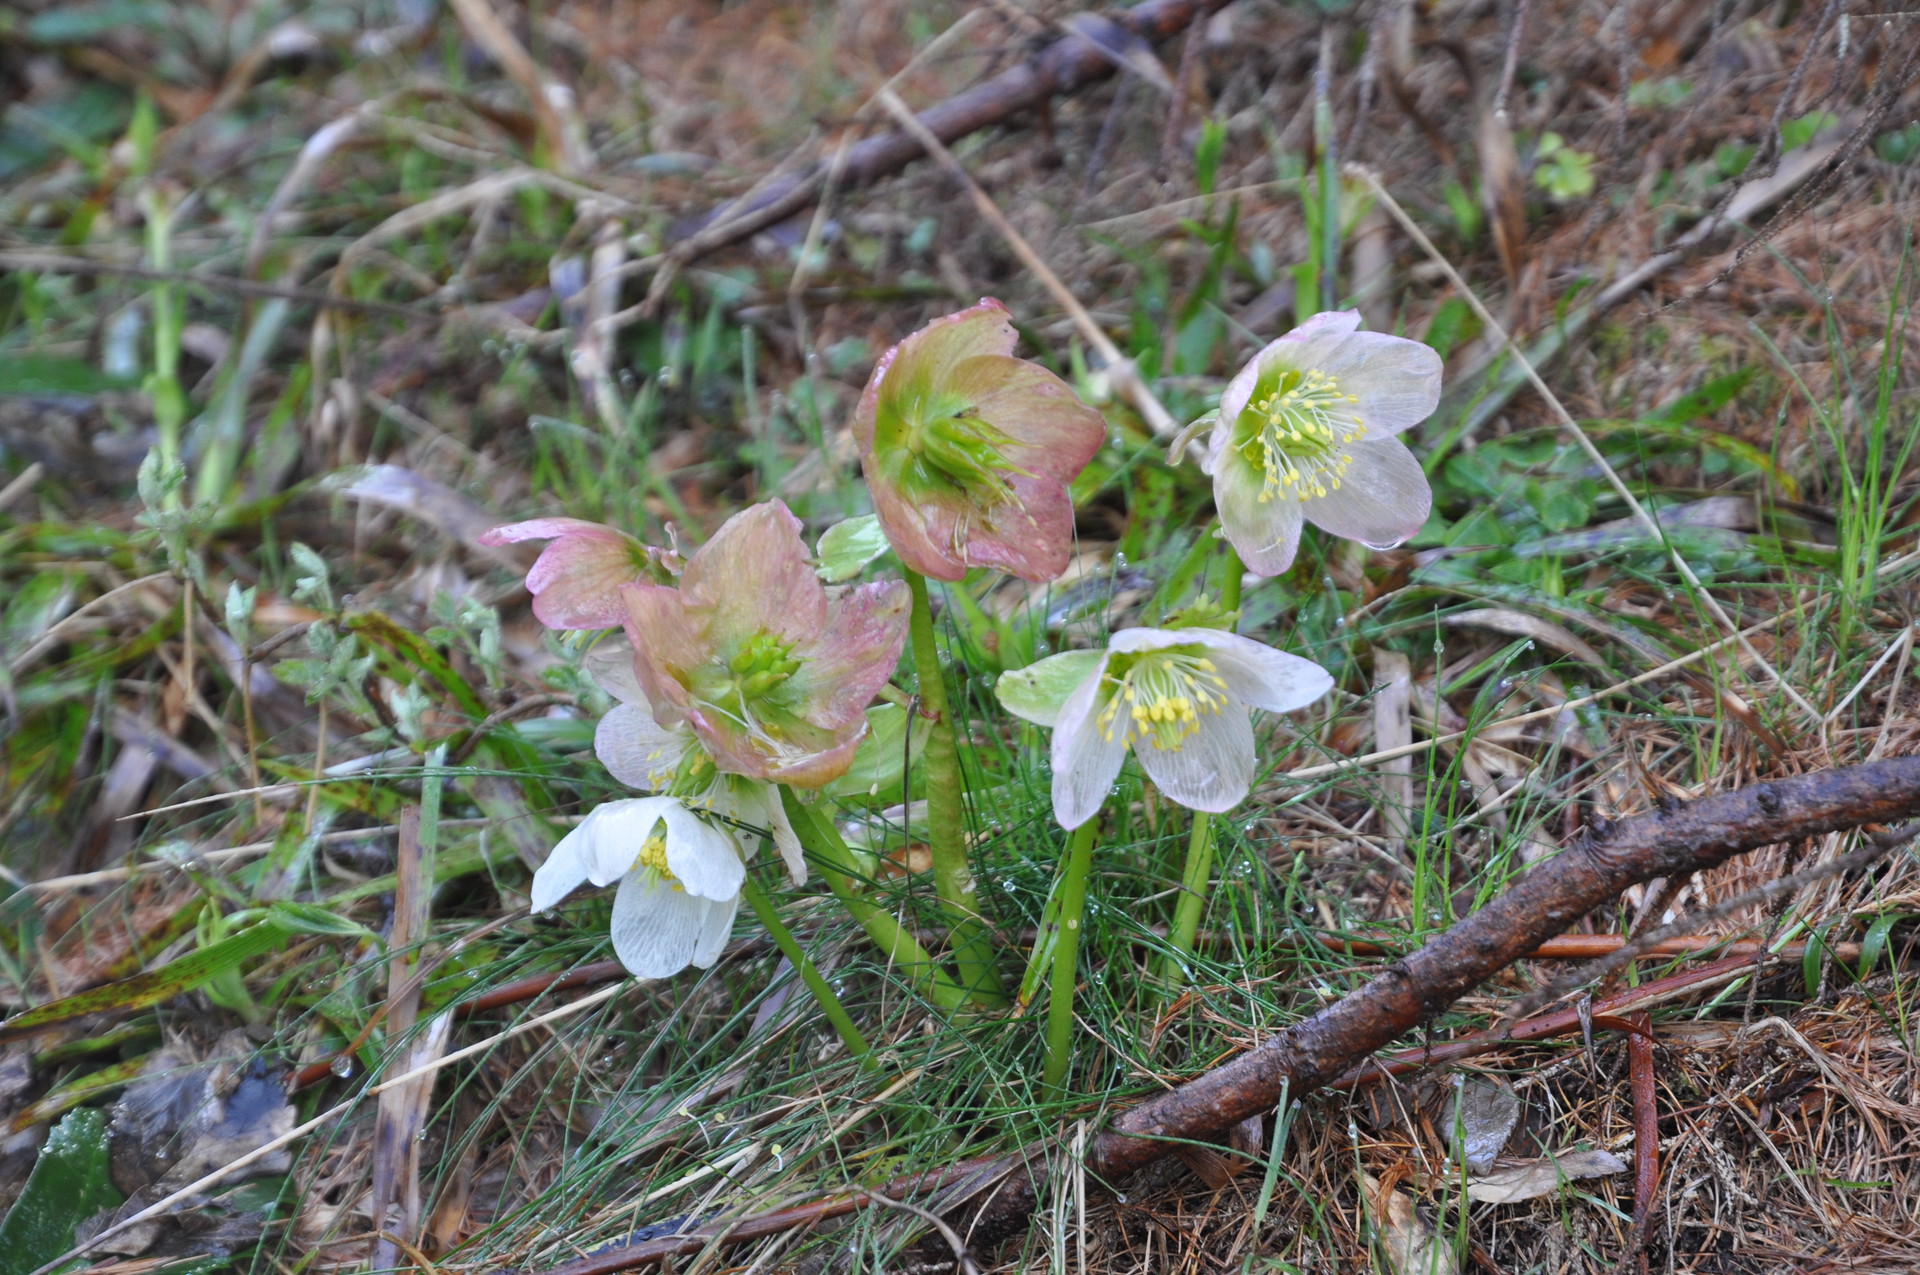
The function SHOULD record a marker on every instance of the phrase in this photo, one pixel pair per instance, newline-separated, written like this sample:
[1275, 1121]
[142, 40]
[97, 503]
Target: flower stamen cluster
[1164, 693]
[1301, 433]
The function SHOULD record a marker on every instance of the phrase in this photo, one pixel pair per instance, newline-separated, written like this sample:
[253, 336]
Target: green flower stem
[1194, 881]
[1197, 877]
[1230, 587]
[946, 829]
[809, 973]
[1066, 954]
[831, 855]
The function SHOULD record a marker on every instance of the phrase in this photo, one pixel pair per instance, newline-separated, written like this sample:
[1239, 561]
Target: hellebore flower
[770, 670]
[1177, 697]
[679, 876]
[1306, 430]
[968, 451]
[575, 582]
[643, 754]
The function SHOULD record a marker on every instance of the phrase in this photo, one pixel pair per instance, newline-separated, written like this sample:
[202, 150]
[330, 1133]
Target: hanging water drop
[341, 1066]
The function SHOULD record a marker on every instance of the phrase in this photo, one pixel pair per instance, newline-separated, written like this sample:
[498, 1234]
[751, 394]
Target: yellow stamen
[1302, 432]
[1163, 694]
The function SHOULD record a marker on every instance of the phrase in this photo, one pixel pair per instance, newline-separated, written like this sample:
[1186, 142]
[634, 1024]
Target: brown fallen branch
[1063, 66]
[1322, 1051]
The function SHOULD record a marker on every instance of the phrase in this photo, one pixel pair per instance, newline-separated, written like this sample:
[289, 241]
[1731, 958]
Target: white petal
[706, 860]
[637, 750]
[1266, 533]
[1284, 353]
[718, 924]
[785, 839]
[610, 665]
[564, 871]
[614, 833]
[658, 929]
[1396, 380]
[1211, 770]
[1085, 761]
[1257, 674]
[1382, 500]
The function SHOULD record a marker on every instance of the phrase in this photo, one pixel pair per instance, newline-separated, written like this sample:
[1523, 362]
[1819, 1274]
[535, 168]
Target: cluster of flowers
[742, 671]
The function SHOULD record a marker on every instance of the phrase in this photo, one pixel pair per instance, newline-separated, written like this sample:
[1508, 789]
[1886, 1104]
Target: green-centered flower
[771, 670]
[641, 753]
[968, 451]
[1178, 698]
[1306, 430]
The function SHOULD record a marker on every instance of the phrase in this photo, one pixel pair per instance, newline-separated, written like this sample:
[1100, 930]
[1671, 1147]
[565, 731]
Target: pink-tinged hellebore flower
[1177, 697]
[968, 451]
[643, 754]
[575, 582]
[1306, 430]
[679, 876]
[770, 669]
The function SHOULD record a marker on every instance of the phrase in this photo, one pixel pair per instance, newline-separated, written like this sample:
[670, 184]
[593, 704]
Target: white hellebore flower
[679, 876]
[1177, 697]
[1306, 430]
[641, 753]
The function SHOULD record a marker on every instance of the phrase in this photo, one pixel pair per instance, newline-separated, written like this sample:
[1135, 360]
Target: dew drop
[341, 1066]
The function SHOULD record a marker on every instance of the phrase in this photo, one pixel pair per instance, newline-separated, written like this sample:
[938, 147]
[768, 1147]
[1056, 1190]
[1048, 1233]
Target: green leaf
[1038, 691]
[1875, 941]
[78, 23]
[68, 1185]
[847, 547]
[154, 986]
[882, 756]
[42, 374]
[1798, 132]
[309, 918]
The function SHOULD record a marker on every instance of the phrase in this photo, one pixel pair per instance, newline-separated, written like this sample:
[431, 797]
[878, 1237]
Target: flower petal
[1383, 499]
[1265, 532]
[758, 805]
[1258, 675]
[847, 663]
[637, 750]
[706, 860]
[921, 531]
[538, 529]
[611, 666]
[1396, 381]
[755, 576]
[616, 832]
[666, 642]
[1211, 769]
[659, 930]
[1279, 354]
[1039, 691]
[575, 581]
[1085, 760]
[912, 369]
[1029, 535]
[564, 871]
[1053, 433]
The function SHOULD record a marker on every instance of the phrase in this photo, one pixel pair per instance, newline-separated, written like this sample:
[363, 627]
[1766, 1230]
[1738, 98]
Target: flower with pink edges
[968, 451]
[575, 582]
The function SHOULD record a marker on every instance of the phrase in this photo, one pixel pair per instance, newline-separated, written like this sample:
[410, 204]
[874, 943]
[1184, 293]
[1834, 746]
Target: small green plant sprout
[1306, 431]
[1560, 170]
[1177, 697]
[575, 582]
[641, 753]
[770, 671]
[968, 451]
[680, 880]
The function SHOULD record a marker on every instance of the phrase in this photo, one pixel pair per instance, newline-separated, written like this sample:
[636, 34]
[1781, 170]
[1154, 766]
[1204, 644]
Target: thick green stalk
[1197, 877]
[1194, 880]
[830, 854]
[1066, 954]
[809, 973]
[946, 818]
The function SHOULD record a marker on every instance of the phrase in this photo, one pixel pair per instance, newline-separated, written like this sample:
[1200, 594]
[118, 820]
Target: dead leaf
[1534, 1178]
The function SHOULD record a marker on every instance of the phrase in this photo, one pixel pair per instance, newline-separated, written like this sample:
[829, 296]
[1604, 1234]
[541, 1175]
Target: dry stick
[1579, 435]
[1117, 365]
[1319, 1053]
